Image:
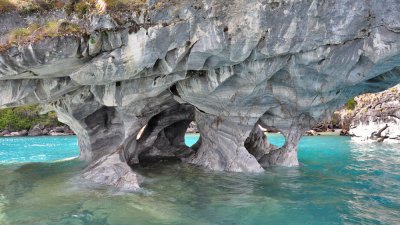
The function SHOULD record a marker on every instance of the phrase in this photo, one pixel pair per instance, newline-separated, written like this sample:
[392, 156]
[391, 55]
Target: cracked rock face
[375, 111]
[228, 65]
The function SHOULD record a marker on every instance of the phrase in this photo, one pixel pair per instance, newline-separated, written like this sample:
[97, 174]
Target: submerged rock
[112, 170]
[284, 65]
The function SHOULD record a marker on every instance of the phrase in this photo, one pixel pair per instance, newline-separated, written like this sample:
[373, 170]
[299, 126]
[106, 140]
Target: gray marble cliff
[228, 65]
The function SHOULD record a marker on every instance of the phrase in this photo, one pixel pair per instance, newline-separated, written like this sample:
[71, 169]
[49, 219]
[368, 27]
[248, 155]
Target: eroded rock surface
[236, 64]
[222, 143]
[376, 117]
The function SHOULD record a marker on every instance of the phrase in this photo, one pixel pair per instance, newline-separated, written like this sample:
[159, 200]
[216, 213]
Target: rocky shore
[39, 130]
[373, 117]
[376, 117]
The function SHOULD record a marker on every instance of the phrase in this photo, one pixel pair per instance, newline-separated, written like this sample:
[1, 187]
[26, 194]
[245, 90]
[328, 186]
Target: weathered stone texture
[282, 64]
[373, 112]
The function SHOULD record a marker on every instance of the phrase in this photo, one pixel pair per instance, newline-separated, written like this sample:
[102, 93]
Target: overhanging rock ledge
[228, 65]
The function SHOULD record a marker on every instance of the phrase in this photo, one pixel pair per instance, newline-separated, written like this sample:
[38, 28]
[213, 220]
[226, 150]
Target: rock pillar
[222, 143]
[287, 154]
[99, 128]
[113, 170]
[257, 143]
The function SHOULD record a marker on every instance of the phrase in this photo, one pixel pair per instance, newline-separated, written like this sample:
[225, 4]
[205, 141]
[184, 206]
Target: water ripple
[338, 182]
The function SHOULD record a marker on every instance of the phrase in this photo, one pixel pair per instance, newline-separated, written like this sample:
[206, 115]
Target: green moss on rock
[35, 32]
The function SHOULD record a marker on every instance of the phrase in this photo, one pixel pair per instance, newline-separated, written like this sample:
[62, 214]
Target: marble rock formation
[130, 86]
[376, 117]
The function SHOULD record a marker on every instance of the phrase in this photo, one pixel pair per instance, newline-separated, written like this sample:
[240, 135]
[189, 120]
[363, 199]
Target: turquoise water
[37, 149]
[338, 182]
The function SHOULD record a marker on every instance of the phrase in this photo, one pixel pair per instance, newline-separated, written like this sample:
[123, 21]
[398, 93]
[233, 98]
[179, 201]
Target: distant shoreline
[335, 133]
[38, 130]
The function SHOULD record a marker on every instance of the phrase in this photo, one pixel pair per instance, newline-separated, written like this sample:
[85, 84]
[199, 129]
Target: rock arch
[276, 68]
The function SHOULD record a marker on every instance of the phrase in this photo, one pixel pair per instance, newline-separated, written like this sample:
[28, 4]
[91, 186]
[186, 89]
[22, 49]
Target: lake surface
[338, 182]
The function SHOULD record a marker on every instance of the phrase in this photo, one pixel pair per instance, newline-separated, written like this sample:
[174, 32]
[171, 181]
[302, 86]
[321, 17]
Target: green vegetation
[394, 89]
[6, 5]
[30, 6]
[79, 7]
[82, 8]
[25, 117]
[34, 32]
[335, 119]
[350, 104]
[124, 4]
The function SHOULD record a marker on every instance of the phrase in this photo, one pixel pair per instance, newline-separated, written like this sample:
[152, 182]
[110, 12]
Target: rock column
[101, 138]
[222, 143]
[257, 143]
[99, 128]
[287, 154]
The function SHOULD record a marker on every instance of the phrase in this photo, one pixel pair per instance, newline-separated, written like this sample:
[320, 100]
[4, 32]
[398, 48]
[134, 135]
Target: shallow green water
[338, 182]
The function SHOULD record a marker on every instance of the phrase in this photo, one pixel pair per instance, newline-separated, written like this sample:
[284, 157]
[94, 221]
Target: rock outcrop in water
[376, 117]
[228, 65]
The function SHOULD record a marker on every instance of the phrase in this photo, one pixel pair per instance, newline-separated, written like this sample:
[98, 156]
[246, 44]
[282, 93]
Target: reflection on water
[339, 182]
[378, 183]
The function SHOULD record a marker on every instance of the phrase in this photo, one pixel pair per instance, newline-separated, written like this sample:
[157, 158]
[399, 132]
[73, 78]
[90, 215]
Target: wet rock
[257, 67]
[113, 170]
[223, 144]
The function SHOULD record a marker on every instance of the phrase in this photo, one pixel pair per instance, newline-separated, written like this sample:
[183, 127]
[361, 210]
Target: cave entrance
[163, 138]
[168, 144]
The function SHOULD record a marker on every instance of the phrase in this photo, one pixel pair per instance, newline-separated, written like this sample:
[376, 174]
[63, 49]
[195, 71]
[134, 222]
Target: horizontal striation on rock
[281, 64]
